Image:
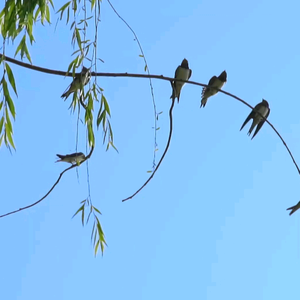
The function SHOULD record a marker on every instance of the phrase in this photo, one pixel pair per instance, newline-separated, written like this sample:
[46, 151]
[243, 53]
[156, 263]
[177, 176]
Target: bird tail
[65, 94]
[60, 156]
[203, 102]
[173, 96]
[292, 209]
[243, 125]
[246, 121]
[252, 127]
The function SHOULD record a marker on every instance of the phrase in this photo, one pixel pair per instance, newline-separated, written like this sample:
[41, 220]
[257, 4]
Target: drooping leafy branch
[18, 18]
[7, 107]
[97, 235]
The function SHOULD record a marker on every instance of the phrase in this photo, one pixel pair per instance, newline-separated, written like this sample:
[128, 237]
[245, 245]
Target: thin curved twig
[150, 81]
[53, 186]
[161, 77]
[162, 157]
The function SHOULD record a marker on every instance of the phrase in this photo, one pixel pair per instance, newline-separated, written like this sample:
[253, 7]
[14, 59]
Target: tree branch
[150, 81]
[53, 186]
[165, 152]
[161, 77]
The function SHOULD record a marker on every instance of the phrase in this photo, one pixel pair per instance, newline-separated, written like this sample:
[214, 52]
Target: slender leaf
[8, 122]
[96, 247]
[97, 210]
[11, 77]
[48, 14]
[9, 136]
[112, 144]
[8, 99]
[92, 4]
[91, 137]
[78, 38]
[82, 217]
[64, 7]
[105, 104]
[100, 117]
[20, 46]
[80, 208]
[1, 123]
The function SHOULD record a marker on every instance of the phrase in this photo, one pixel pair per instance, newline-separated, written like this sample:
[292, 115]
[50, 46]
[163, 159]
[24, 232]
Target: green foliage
[23, 49]
[97, 235]
[17, 19]
[103, 118]
[7, 108]
[19, 16]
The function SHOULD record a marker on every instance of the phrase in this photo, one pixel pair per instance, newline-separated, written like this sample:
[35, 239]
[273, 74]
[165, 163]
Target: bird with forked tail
[259, 114]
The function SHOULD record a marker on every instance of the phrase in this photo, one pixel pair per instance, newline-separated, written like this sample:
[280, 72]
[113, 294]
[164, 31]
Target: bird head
[265, 102]
[185, 64]
[223, 76]
[84, 69]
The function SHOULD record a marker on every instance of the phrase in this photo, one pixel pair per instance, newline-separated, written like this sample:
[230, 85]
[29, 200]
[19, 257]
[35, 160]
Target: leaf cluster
[97, 235]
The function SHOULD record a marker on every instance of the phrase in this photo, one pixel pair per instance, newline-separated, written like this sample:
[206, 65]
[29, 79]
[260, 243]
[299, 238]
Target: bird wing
[71, 88]
[250, 116]
[210, 83]
[212, 80]
[174, 84]
[176, 72]
[190, 74]
[260, 124]
[65, 94]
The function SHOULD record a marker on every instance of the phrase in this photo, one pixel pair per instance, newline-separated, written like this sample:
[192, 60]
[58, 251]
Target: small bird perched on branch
[184, 73]
[263, 108]
[79, 81]
[74, 158]
[213, 84]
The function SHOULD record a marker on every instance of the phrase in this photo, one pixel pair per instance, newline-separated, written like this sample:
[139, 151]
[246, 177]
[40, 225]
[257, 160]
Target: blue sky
[212, 224]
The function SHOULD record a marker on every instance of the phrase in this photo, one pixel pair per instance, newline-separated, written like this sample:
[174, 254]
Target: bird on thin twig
[264, 110]
[73, 158]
